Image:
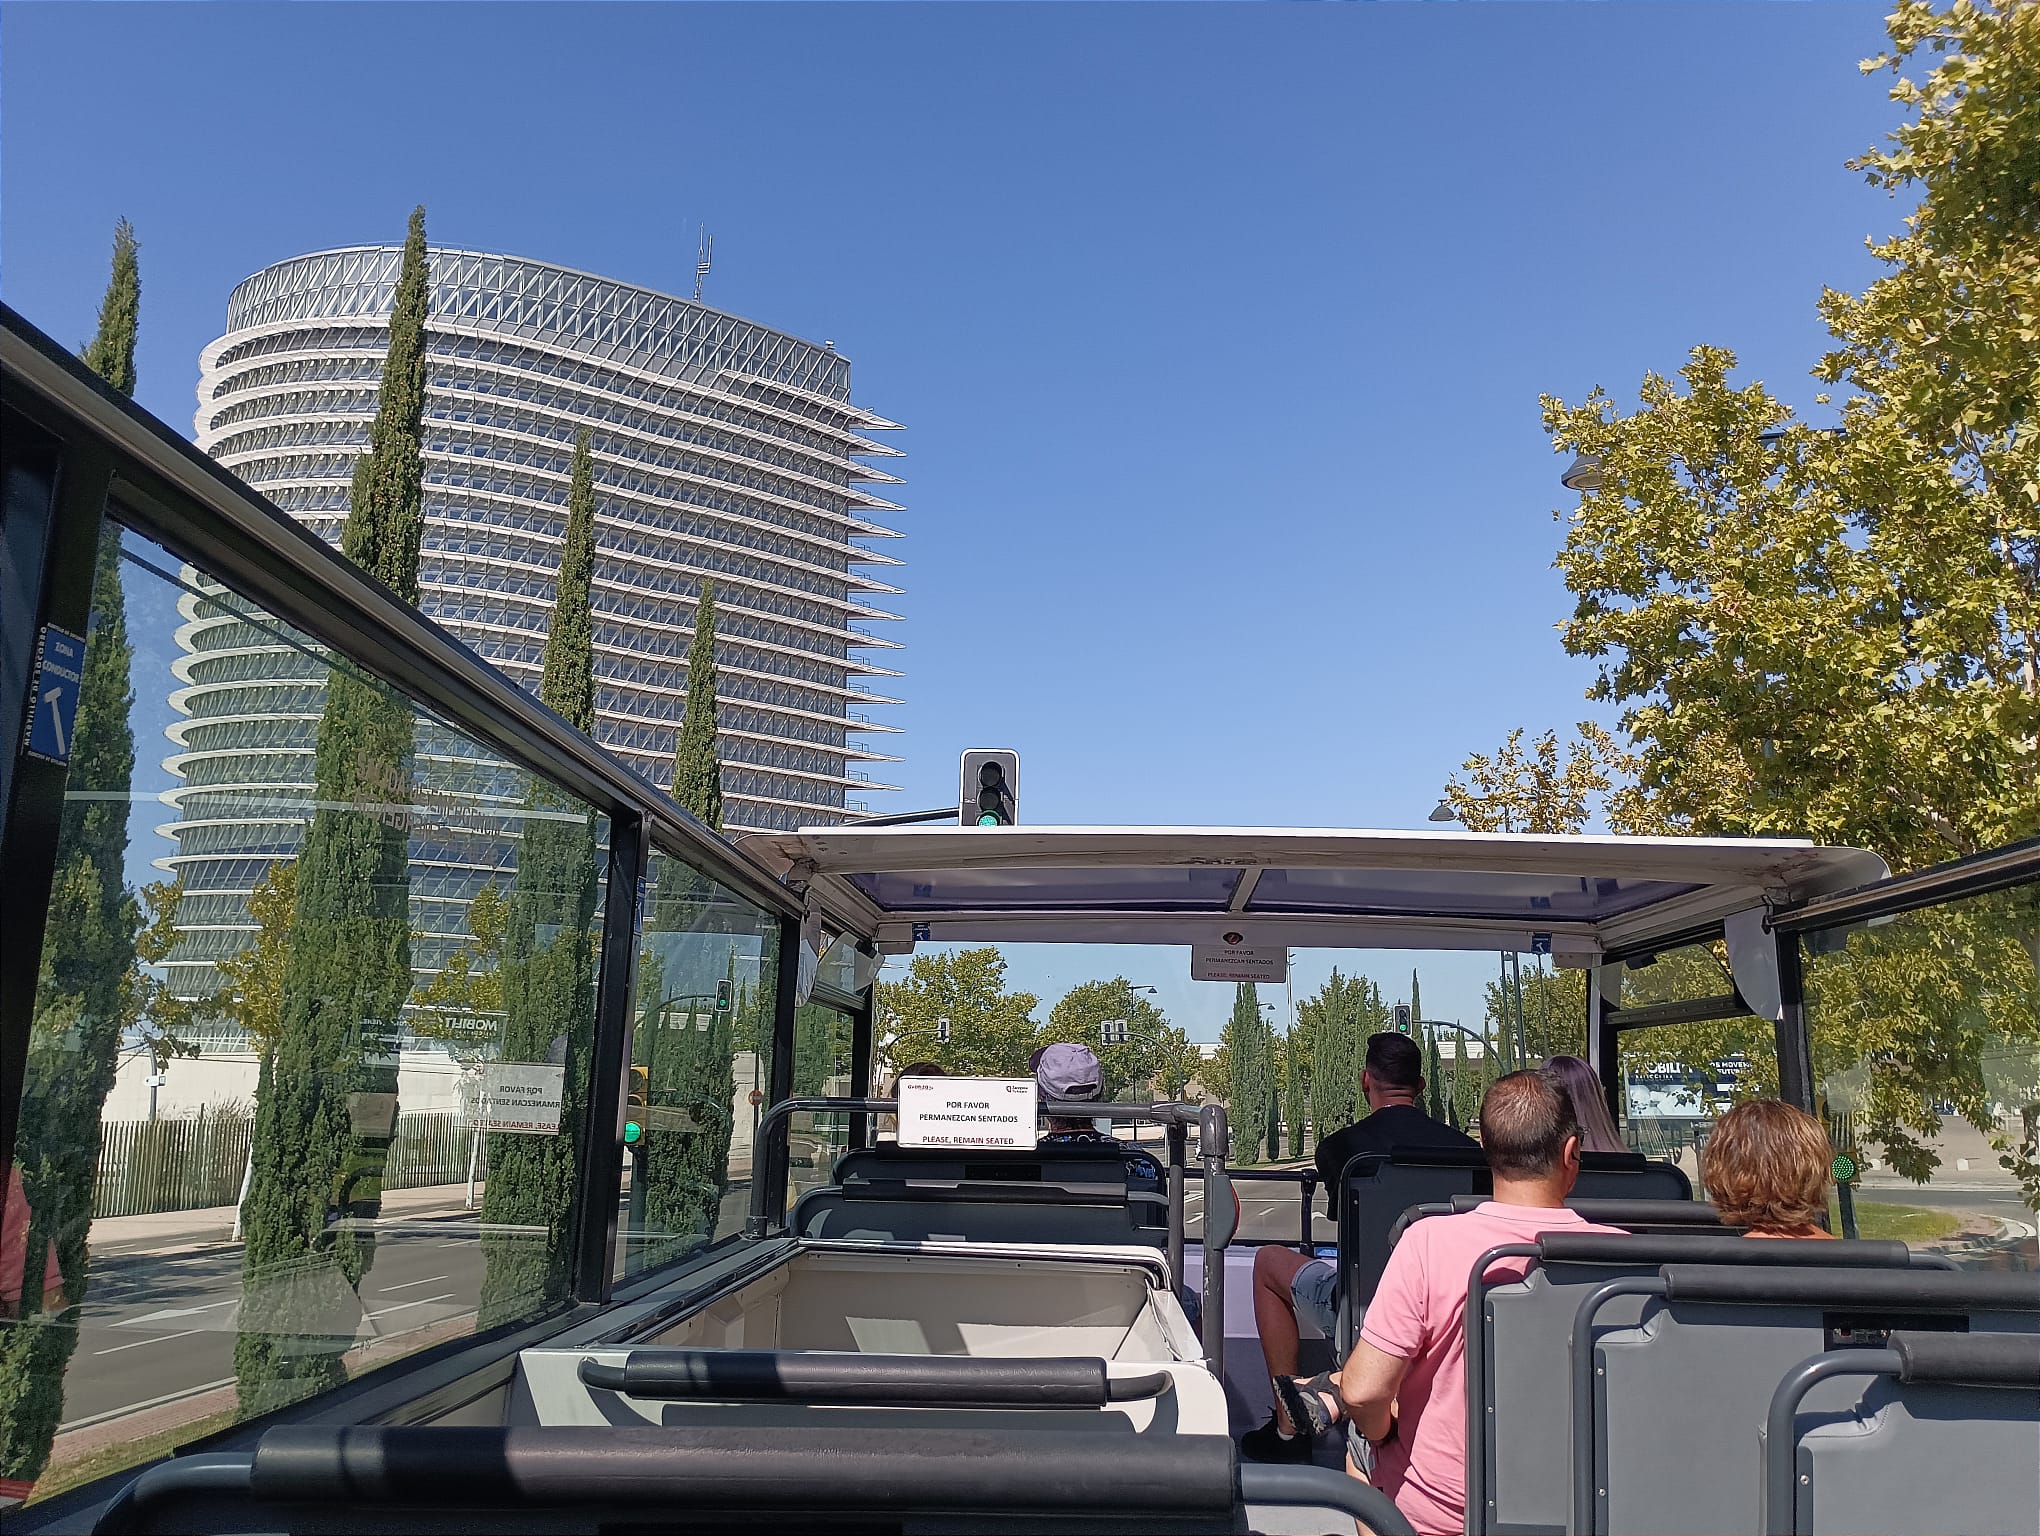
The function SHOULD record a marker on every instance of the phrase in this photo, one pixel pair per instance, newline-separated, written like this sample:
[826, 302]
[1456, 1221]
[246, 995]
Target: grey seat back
[1376, 1188]
[1927, 1451]
[1668, 1413]
[1057, 1194]
[1518, 1361]
[874, 1215]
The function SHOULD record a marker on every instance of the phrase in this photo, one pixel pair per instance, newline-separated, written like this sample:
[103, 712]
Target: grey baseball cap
[1067, 1072]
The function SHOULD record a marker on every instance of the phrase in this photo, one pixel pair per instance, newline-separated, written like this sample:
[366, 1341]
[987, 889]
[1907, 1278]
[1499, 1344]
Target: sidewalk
[182, 1231]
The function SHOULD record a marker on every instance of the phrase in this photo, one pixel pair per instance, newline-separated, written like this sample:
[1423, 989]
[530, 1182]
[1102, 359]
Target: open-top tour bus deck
[670, 1276]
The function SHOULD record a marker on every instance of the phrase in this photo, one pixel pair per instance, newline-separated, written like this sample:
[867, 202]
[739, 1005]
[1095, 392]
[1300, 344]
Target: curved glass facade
[724, 451]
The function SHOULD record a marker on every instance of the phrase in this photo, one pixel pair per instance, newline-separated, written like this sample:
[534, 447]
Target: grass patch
[62, 1476]
[1907, 1223]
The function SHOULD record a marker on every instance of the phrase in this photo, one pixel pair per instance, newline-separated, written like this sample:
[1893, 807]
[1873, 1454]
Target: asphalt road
[160, 1326]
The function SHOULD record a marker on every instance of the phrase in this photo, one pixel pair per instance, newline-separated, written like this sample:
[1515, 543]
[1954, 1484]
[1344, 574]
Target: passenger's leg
[1275, 1315]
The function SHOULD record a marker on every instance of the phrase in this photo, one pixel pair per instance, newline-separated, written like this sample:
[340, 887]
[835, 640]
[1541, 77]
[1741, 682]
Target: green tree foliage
[1837, 634]
[111, 352]
[1076, 1018]
[1256, 1079]
[1537, 790]
[697, 771]
[1296, 1092]
[326, 1097]
[88, 986]
[251, 980]
[1177, 1062]
[548, 960]
[689, 1053]
[1436, 1090]
[1345, 1011]
[1554, 1014]
[991, 1031]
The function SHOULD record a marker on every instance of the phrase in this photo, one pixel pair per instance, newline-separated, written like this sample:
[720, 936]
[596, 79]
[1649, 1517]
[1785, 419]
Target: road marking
[164, 1316]
[138, 1343]
[423, 1301]
[409, 1283]
[152, 1402]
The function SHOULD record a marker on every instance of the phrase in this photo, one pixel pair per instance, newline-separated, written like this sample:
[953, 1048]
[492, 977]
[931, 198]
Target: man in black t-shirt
[1287, 1285]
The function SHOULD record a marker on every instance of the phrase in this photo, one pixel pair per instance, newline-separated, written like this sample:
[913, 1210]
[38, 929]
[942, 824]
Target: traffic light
[636, 1096]
[990, 792]
[1401, 1015]
[1112, 1032]
[723, 995]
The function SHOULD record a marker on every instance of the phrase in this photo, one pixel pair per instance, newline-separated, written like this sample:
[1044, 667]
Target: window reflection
[1925, 1031]
[705, 994]
[312, 1041]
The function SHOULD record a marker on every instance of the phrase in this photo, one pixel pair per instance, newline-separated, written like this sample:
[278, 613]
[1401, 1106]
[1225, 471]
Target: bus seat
[1517, 1362]
[1376, 1188]
[1666, 1413]
[1946, 1438]
[1056, 1194]
[1630, 1215]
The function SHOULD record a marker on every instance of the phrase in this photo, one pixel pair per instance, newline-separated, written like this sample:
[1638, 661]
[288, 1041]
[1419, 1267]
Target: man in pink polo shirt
[1404, 1385]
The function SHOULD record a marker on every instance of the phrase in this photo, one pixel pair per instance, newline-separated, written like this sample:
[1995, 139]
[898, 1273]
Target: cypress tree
[1434, 1077]
[697, 773]
[1295, 1090]
[85, 992]
[1254, 1084]
[548, 961]
[326, 1097]
[1339, 1051]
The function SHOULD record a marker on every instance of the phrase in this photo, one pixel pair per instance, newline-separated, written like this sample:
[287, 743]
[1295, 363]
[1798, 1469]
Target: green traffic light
[1843, 1168]
[633, 1133]
[988, 819]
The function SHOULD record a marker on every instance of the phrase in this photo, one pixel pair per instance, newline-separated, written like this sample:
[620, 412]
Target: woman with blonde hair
[1590, 1108]
[1766, 1167]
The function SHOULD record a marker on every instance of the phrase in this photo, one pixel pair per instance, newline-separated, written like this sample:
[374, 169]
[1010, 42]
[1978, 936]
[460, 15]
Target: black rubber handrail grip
[711, 1467]
[1909, 1289]
[133, 1507]
[1300, 1487]
[764, 1375]
[1718, 1248]
[1970, 1359]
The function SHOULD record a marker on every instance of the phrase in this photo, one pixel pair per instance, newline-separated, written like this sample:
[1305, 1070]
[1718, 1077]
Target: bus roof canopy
[1302, 888]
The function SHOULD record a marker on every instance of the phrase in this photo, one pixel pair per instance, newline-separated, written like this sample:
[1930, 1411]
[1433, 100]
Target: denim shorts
[1316, 1293]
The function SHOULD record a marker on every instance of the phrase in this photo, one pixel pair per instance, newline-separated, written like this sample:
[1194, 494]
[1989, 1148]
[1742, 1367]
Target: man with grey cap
[1071, 1072]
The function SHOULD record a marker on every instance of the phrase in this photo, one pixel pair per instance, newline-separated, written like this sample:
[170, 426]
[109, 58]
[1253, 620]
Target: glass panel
[1678, 1078]
[1454, 893]
[700, 1063]
[821, 1067]
[1926, 1055]
[310, 1047]
[1148, 890]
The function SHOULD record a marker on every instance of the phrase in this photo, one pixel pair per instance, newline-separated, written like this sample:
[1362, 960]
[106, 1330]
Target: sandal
[1303, 1400]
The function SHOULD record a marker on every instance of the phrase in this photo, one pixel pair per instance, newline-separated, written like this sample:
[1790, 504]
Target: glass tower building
[724, 451]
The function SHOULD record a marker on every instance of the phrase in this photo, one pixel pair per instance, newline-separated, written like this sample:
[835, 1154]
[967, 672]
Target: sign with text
[968, 1112]
[1229, 957]
[53, 690]
[522, 1097]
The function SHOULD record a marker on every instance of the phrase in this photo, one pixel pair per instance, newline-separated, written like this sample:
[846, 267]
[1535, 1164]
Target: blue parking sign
[53, 695]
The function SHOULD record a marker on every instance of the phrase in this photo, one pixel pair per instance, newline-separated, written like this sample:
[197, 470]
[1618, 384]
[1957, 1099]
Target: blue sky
[1218, 330]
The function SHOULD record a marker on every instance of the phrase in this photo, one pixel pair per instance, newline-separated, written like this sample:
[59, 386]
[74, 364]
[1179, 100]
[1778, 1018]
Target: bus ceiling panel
[168, 491]
[1529, 897]
[1977, 875]
[1772, 864]
[1175, 885]
[1571, 945]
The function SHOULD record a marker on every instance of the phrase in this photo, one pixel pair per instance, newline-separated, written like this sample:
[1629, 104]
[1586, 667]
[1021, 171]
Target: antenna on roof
[701, 264]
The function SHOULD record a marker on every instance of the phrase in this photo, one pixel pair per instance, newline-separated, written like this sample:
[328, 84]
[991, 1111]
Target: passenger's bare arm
[1367, 1385]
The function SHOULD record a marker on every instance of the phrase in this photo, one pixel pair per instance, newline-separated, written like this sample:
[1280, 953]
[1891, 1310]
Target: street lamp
[1583, 474]
[1442, 811]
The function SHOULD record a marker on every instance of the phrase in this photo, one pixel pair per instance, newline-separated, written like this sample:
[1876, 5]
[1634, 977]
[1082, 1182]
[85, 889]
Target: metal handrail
[1212, 1145]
